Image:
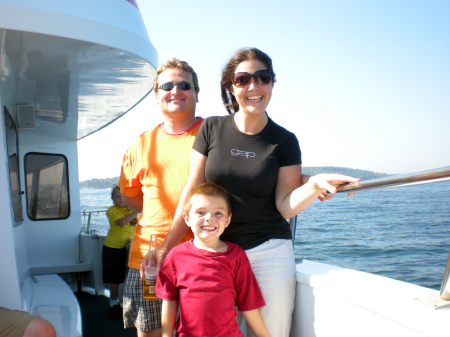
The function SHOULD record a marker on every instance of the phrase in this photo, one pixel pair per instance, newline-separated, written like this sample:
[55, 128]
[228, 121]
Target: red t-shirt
[208, 286]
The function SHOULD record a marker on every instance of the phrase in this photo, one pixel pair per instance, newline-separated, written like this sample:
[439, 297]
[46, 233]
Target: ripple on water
[403, 234]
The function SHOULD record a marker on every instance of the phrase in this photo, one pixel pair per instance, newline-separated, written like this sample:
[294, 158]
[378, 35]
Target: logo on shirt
[235, 152]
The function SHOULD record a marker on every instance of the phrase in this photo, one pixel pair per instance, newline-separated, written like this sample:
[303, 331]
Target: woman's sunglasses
[262, 77]
[182, 86]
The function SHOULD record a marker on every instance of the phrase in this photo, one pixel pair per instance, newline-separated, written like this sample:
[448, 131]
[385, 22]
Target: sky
[362, 84]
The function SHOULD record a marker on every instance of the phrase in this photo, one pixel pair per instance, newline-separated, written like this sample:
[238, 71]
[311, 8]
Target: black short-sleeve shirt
[247, 167]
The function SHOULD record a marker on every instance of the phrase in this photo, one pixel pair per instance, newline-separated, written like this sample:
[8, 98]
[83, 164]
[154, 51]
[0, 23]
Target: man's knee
[39, 327]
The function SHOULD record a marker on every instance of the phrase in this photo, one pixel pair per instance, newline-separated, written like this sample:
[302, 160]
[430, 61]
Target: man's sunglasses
[182, 86]
[262, 77]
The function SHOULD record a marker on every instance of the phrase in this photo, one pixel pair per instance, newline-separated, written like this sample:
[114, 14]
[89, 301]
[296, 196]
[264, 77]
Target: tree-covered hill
[99, 183]
[309, 170]
[361, 174]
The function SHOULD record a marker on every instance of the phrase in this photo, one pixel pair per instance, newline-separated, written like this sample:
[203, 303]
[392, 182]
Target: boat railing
[87, 217]
[424, 177]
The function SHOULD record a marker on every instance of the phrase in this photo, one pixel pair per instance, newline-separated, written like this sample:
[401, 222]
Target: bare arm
[289, 179]
[255, 321]
[179, 228]
[168, 317]
[122, 222]
[304, 178]
[291, 199]
[136, 203]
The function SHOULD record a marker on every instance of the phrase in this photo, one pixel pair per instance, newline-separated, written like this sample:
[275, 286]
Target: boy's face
[118, 199]
[208, 217]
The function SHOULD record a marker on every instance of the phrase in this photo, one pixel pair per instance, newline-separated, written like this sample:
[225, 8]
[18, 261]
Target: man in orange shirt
[154, 171]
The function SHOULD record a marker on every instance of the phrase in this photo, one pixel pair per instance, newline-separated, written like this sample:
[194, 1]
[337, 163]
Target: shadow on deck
[94, 311]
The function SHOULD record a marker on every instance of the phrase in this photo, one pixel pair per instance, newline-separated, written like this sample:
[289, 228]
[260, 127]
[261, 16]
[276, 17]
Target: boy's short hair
[208, 190]
[114, 188]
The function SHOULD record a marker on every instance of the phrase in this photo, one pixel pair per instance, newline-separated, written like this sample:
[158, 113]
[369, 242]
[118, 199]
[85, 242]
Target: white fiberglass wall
[114, 23]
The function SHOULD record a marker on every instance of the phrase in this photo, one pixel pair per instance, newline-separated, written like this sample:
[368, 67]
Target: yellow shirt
[157, 166]
[118, 235]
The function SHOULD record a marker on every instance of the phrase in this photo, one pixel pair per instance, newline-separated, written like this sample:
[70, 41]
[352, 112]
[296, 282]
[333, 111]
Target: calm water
[400, 233]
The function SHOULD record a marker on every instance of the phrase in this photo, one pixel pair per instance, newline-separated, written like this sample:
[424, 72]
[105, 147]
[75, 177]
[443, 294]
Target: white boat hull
[334, 301]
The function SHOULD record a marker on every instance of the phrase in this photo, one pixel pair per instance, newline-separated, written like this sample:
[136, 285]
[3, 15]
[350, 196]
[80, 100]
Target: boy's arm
[168, 317]
[126, 219]
[255, 322]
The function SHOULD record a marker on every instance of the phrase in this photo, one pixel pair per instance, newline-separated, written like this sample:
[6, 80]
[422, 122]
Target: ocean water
[92, 200]
[401, 233]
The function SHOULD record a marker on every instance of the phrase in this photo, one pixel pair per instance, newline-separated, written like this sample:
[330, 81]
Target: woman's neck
[250, 124]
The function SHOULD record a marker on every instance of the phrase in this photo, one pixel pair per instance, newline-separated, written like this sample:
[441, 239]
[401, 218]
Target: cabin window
[47, 186]
[13, 165]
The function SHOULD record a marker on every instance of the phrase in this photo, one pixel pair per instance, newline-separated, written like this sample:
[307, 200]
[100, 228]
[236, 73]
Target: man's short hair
[208, 190]
[174, 63]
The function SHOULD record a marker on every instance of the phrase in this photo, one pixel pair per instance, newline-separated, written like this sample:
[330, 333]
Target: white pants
[273, 264]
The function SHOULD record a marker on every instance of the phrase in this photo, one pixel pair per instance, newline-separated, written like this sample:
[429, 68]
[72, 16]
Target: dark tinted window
[47, 186]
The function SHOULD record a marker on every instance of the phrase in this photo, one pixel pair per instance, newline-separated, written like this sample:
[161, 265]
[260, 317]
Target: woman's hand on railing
[329, 181]
[325, 196]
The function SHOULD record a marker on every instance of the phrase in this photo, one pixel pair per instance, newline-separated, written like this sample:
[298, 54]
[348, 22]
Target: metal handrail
[293, 226]
[423, 177]
[445, 286]
[88, 229]
[90, 215]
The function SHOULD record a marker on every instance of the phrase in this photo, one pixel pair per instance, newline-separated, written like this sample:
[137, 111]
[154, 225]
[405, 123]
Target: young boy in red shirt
[207, 276]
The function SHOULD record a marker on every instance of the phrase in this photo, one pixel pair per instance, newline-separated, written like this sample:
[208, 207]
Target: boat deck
[94, 311]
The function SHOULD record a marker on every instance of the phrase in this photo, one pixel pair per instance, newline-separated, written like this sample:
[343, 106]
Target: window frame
[18, 218]
[69, 211]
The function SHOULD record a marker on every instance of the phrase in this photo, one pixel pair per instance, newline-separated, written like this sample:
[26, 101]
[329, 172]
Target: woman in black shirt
[259, 163]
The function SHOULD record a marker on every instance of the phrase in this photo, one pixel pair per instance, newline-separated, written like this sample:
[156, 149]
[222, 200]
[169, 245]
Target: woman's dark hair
[242, 55]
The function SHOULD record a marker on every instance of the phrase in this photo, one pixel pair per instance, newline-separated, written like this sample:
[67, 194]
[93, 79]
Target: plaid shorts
[143, 314]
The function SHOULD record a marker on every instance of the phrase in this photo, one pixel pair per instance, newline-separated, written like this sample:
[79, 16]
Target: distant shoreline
[96, 183]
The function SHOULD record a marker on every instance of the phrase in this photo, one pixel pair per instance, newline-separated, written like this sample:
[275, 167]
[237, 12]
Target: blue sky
[363, 84]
